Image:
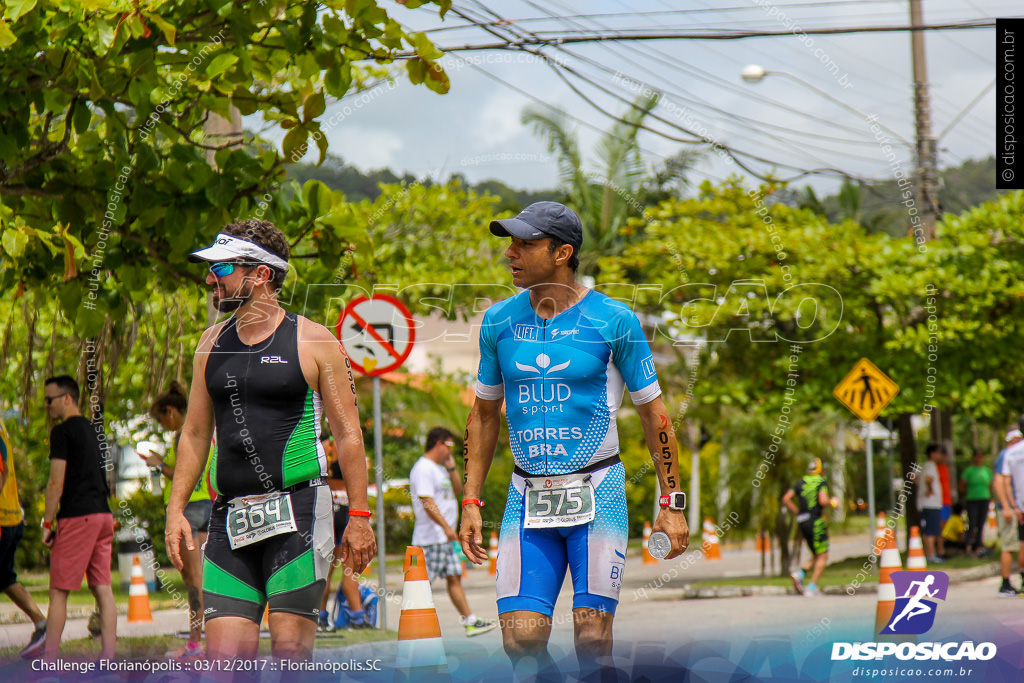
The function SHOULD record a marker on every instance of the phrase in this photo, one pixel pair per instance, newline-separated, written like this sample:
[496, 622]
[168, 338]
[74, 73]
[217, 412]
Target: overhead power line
[537, 40]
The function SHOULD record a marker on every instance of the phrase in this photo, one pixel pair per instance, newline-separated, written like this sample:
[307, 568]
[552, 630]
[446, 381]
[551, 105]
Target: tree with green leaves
[752, 278]
[106, 177]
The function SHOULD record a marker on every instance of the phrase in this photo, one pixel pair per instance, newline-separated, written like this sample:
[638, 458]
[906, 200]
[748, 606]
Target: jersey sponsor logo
[272, 359]
[648, 366]
[563, 333]
[544, 365]
[617, 567]
[543, 397]
[525, 333]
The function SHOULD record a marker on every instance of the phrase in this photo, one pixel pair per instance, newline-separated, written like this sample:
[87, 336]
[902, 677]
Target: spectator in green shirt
[976, 485]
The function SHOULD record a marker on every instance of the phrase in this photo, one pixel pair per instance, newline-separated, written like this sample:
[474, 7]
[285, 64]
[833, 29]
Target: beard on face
[232, 303]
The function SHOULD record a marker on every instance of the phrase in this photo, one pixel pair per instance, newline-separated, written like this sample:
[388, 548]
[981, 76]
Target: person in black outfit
[77, 524]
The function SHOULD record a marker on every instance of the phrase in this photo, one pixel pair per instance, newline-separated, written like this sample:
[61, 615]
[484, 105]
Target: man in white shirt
[929, 498]
[1013, 478]
[1008, 525]
[435, 485]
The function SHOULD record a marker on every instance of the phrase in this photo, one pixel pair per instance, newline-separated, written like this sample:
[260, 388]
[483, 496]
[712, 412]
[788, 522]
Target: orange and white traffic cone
[138, 596]
[915, 551]
[889, 564]
[420, 647]
[991, 521]
[648, 558]
[879, 534]
[710, 546]
[492, 554]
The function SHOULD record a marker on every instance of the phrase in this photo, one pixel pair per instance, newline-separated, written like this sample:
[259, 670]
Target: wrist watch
[673, 501]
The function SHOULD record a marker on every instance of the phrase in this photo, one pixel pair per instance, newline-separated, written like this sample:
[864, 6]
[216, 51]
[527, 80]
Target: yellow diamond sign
[866, 390]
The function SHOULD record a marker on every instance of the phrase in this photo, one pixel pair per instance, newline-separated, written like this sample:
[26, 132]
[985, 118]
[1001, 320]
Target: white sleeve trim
[490, 392]
[645, 395]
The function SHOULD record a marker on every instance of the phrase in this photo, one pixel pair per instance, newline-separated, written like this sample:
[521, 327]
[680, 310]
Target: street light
[755, 73]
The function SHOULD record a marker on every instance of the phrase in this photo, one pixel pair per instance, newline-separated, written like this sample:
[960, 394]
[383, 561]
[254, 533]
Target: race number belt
[558, 501]
[252, 519]
[592, 467]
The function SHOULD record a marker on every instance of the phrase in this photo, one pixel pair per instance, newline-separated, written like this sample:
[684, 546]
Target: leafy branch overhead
[107, 175]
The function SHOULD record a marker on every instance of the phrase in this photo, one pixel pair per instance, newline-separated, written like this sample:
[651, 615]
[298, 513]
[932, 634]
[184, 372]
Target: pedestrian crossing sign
[866, 390]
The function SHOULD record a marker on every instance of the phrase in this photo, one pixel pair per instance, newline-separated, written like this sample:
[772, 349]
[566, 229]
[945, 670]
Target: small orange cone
[420, 647]
[492, 554]
[138, 596]
[761, 543]
[710, 546]
[889, 564]
[648, 558]
[991, 522]
[879, 534]
[915, 551]
[265, 624]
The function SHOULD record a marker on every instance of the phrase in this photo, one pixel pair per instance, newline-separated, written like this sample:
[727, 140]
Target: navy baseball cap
[540, 220]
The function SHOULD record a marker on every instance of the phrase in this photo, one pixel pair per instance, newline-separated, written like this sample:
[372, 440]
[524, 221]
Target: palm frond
[553, 125]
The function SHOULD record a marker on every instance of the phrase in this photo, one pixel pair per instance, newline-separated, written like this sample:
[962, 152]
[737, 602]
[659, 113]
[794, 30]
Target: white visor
[229, 248]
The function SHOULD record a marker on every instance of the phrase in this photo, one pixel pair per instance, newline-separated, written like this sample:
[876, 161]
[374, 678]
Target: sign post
[377, 333]
[866, 390]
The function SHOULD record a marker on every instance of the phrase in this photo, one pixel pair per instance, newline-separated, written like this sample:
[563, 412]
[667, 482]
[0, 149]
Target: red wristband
[472, 501]
[359, 513]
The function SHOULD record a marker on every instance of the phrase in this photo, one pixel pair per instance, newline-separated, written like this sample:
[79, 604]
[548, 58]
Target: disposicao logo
[917, 593]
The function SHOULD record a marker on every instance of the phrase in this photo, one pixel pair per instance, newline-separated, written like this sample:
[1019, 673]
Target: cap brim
[212, 254]
[513, 227]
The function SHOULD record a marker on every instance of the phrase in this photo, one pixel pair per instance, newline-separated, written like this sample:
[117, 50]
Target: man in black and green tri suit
[806, 500]
[265, 377]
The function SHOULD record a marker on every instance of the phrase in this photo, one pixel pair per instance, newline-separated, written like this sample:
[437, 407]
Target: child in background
[954, 530]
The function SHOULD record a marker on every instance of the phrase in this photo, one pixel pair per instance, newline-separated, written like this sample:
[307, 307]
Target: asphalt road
[658, 634]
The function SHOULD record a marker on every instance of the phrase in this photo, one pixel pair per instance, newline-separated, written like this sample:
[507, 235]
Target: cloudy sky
[808, 116]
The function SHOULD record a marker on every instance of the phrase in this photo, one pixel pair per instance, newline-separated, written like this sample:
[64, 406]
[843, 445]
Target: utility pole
[927, 194]
[927, 163]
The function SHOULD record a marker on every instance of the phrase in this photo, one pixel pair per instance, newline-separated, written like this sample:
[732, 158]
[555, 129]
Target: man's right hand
[358, 544]
[471, 535]
[177, 529]
[1008, 514]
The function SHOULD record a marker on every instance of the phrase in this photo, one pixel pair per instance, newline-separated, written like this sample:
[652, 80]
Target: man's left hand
[673, 523]
[358, 544]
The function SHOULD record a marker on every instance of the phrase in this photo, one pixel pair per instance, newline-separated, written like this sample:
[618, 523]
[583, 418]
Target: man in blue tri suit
[560, 355]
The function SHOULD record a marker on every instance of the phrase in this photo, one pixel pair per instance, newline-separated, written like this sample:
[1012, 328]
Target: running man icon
[918, 591]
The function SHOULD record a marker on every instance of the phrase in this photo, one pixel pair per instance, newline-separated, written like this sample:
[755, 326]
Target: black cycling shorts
[288, 571]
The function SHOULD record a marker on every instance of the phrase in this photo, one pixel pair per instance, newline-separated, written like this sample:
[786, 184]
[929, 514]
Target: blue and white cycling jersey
[562, 379]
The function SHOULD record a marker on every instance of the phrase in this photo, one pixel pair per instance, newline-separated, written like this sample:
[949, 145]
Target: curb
[698, 592]
[8, 618]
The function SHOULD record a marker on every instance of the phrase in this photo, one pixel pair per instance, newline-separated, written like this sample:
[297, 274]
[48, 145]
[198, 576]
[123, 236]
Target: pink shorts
[82, 547]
